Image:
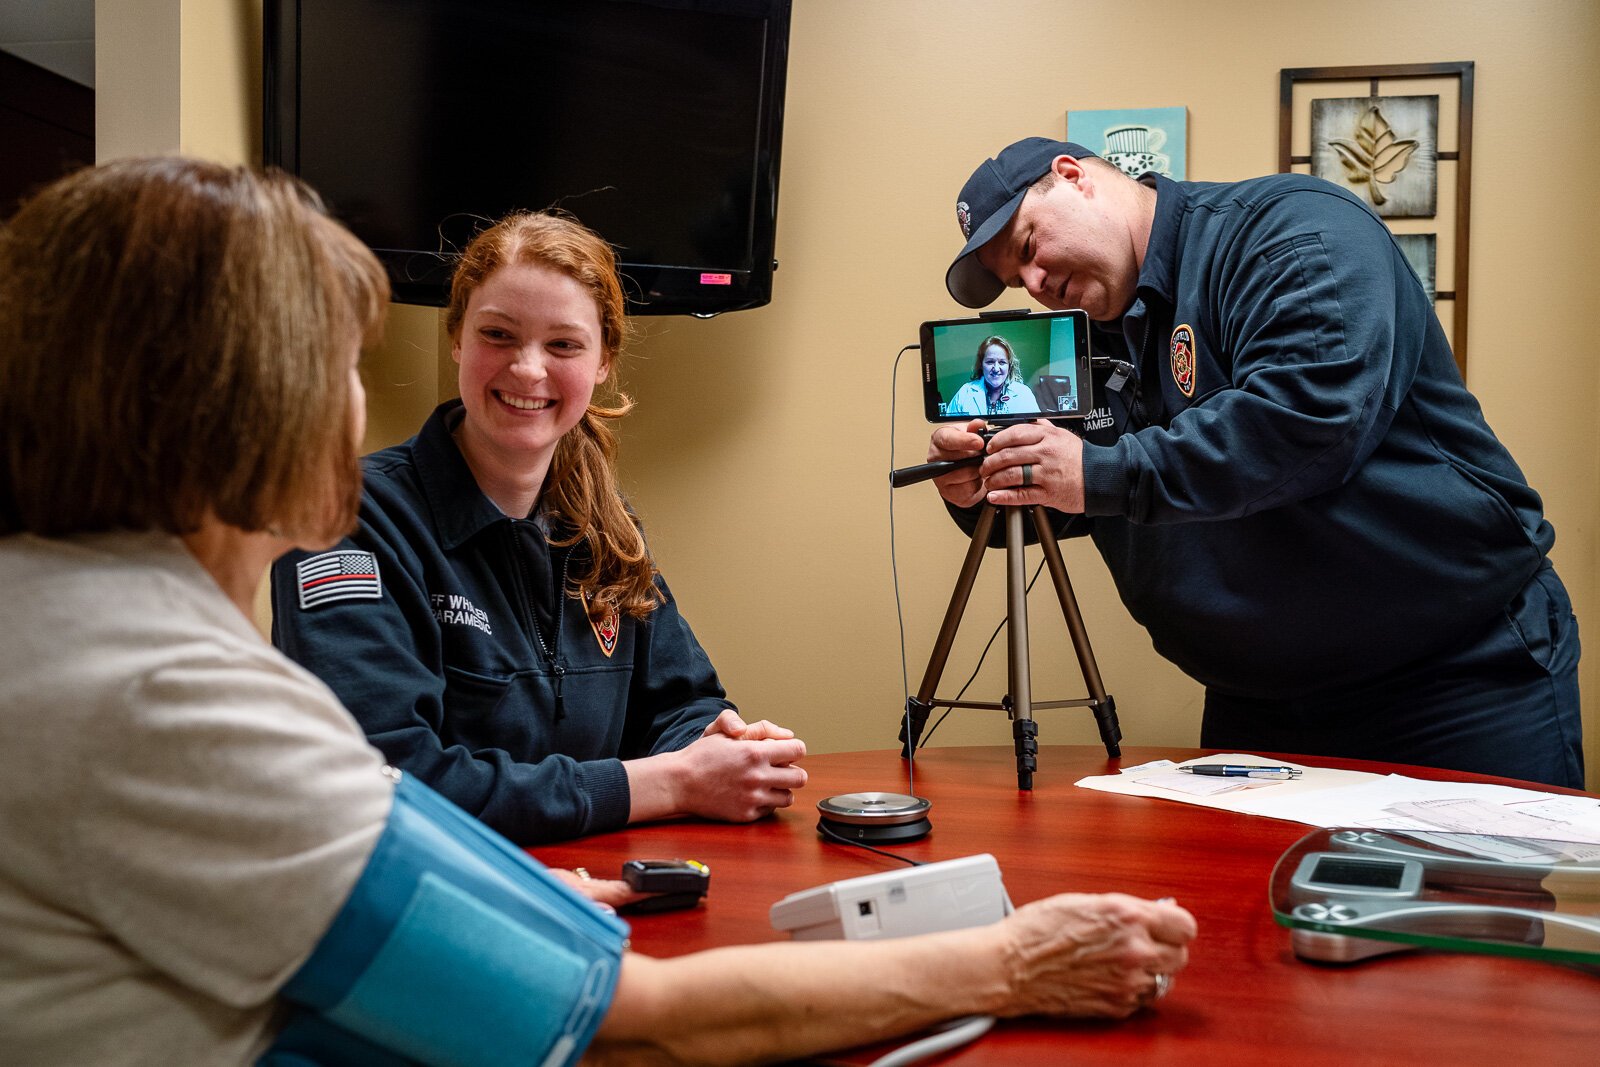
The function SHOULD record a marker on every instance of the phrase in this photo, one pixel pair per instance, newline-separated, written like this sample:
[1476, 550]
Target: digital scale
[1350, 894]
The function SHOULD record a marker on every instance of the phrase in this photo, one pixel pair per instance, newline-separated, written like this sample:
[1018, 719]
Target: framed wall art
[1422, 252]
[1400, 138]
[1136, 140]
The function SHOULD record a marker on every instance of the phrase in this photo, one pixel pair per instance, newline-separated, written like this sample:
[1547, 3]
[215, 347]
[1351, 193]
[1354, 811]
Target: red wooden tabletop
[1244, 995]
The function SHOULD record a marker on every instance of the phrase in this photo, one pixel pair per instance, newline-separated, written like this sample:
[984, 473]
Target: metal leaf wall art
[1376, 156]
[1375, 131]
[1385, 149]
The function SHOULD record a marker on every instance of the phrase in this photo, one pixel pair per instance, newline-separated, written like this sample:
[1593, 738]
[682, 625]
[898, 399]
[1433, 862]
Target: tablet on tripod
[1007, 366]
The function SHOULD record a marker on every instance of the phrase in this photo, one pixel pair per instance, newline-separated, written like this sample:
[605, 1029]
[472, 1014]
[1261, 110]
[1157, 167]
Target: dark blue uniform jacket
[472, 671]
[1297, 493]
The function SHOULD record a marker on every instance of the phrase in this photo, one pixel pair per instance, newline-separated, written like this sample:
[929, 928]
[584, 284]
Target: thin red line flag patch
[335, 576]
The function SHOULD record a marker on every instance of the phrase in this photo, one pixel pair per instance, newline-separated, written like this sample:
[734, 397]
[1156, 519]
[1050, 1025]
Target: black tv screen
[655, 122]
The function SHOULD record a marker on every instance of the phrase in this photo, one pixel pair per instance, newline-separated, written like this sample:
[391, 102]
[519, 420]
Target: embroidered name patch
[453, 609]
[334, 576]
[1183, 359]
[1098, 419]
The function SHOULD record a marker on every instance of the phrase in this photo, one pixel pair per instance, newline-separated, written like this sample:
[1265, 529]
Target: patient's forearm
[1070, 954]
[777, 1001]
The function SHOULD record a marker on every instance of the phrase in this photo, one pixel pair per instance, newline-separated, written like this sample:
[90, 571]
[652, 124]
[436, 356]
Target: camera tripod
[1018, 704]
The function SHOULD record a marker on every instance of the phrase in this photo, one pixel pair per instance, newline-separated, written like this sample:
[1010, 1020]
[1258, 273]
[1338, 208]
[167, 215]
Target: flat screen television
[656, 122]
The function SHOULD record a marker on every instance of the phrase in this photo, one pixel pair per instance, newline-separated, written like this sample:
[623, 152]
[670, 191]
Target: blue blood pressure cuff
[453, 948]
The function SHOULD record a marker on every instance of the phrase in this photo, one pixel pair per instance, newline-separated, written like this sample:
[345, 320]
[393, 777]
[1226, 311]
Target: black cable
[841, 839]
[1129, 373]
[894, 573]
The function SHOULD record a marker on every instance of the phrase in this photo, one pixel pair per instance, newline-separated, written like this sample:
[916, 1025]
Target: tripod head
[922, 472]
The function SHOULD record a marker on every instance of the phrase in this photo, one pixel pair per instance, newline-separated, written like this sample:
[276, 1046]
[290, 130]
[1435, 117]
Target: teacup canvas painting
[1137, 140]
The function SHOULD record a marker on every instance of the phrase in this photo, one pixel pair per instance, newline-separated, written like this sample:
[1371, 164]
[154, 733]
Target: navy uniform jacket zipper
[1135, 408]
[530, 619]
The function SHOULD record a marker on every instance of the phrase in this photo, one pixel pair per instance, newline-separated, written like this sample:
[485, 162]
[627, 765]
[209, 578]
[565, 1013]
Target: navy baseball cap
[987, 202]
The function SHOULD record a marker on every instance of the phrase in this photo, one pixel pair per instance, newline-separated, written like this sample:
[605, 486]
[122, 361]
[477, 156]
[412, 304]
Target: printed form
[1325, 797]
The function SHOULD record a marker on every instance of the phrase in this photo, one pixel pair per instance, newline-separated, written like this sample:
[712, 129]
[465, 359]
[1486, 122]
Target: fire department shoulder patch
[1183, 368]
[605, 632]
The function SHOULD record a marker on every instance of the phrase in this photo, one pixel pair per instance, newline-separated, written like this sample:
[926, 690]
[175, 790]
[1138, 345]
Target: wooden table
[1244, 997]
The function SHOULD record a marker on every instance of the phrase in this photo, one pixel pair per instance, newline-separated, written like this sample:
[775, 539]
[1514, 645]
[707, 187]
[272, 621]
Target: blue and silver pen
[1230, 770]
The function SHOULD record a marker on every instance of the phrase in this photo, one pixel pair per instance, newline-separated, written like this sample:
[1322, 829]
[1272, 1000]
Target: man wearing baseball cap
[1293, 489]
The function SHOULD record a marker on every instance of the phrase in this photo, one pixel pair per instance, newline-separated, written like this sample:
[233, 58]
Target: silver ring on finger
[1027, 474]
[1163, 984]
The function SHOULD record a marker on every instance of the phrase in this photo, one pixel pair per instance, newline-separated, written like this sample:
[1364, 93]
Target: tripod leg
[1025, 737]
[912, 723]
[1105, 709]
[1105, 717]
[1019, 673]
[918, 707]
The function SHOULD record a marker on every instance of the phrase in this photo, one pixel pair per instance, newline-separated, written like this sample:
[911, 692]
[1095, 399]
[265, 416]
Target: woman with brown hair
[179, 405]
[996, 386]
[508, 638]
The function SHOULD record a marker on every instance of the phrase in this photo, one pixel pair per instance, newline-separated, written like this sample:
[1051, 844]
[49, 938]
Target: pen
[1229, 770]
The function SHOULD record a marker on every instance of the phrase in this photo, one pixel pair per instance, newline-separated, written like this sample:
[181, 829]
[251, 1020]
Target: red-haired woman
[497, 624]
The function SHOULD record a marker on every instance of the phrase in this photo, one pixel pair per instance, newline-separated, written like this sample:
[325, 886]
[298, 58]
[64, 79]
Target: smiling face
[996, 367]
[1067, 246]
[530, 353]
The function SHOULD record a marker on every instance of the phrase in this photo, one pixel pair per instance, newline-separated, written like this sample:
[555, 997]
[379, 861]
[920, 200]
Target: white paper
[1468, 815]
[1511, 849]
[1234, 797]
[1326, 797]
[1382, 805]
[1192, 784]
[1153, 765]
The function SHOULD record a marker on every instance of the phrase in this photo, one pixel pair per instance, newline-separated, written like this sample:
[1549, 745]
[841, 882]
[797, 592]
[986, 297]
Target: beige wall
[759, 450]
[178, 75]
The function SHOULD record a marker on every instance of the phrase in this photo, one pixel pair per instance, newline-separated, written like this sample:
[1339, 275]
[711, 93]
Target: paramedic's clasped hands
[739, 772]
[1092, 954]
[1054, 458]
